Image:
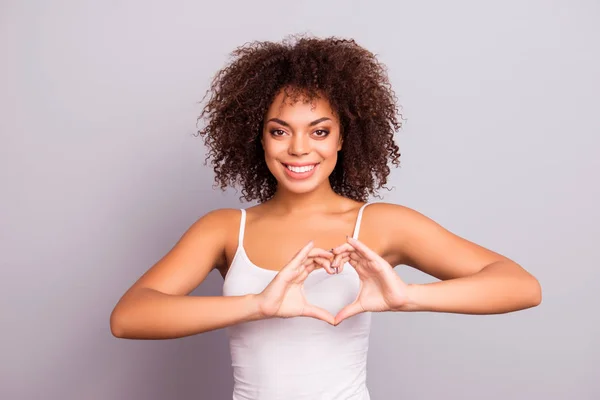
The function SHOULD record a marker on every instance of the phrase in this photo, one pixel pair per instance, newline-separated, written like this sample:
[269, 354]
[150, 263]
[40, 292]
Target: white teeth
[300, 169]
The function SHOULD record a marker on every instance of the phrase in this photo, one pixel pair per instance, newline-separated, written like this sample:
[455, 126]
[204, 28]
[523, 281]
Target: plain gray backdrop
[101, 174]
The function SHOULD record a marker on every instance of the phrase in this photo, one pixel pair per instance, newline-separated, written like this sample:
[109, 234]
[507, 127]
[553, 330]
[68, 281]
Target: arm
[150, 314]
[474, 280]
[157, 306]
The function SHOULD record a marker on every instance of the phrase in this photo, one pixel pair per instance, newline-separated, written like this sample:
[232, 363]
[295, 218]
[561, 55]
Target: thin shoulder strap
[358, 219]
[242, 227]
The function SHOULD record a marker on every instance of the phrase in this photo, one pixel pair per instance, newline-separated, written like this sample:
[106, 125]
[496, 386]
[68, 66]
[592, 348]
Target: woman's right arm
[157, 306]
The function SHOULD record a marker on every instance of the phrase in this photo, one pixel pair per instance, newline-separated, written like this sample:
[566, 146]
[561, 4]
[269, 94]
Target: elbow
[527, 290]
[537, 293]
[117, 326]
[534, 293]
[121, 322]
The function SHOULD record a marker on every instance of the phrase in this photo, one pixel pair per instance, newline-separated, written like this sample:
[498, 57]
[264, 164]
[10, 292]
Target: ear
[340, 142]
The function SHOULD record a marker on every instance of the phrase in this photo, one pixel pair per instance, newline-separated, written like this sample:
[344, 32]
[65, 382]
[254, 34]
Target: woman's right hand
[284, 296]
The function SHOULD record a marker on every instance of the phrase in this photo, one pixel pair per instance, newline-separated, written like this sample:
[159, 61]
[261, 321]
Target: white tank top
[298, 358]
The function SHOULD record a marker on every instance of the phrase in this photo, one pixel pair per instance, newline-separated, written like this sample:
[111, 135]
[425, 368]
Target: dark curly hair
[347, 75]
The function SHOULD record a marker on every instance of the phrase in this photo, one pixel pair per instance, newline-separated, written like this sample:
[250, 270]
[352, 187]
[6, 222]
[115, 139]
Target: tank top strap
[242, 227]
[358, 219]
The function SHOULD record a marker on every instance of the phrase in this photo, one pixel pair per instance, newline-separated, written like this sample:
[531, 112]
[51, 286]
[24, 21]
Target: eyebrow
[313, 123]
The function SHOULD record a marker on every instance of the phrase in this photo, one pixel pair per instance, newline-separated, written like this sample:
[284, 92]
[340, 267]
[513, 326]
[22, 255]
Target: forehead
[297, 107]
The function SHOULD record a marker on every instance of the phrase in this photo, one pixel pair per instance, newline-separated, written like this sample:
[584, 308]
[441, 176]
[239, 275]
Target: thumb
[318, 313]
[290, 271]
[349, 311]
[302, 254]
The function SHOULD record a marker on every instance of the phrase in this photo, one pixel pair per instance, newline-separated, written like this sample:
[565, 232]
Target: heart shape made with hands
[381, 289]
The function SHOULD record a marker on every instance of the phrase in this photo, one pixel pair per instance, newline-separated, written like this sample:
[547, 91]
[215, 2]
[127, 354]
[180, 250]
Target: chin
[298, 189]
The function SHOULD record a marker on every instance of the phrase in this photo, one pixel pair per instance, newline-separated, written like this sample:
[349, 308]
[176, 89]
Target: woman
[306, 127]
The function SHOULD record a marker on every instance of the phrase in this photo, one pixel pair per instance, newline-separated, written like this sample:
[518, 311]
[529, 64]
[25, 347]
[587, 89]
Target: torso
[297, 358]
[270, 241]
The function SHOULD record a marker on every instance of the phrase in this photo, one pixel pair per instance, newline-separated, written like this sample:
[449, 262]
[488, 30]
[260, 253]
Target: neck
[319, 200]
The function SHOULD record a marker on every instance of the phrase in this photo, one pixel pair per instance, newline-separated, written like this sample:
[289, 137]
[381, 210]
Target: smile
[300, 172]
[300, 169]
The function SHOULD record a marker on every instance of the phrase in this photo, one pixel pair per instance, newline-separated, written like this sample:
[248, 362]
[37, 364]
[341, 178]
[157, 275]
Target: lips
[300, 167]
[299, 164]
[300, 171]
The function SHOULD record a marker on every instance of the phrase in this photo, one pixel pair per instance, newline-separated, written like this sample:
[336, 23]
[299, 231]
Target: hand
[381, 289]
[284, 296]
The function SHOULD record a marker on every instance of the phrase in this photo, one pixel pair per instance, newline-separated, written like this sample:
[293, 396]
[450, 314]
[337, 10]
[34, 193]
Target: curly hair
[347, 75]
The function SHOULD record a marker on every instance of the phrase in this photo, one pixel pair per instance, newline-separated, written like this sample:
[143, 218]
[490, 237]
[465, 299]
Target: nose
[299, 145]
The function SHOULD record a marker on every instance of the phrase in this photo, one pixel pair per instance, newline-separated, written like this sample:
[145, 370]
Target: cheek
[272, 153]
[269, 147]
[328, 150]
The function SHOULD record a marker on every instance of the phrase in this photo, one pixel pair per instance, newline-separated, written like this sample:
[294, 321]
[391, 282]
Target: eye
[277, 132]
[321, 133]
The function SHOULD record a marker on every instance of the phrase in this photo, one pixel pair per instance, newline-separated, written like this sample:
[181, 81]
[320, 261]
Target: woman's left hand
[381, 289]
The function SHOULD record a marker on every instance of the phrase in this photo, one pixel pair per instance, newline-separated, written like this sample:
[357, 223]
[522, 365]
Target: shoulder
[395, 225]
[213, 233]
[218, 221]
[398, 220]
[222, 214]
[387, 212]
[411, 238]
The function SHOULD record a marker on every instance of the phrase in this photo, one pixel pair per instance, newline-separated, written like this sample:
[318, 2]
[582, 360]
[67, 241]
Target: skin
[307, 226]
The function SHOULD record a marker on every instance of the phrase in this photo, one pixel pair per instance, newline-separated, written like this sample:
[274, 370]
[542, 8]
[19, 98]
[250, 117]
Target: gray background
[101, 174]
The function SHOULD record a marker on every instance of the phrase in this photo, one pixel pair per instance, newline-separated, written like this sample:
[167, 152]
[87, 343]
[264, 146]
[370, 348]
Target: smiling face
[301, 140]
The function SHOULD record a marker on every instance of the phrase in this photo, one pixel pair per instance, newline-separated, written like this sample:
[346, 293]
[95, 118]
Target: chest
[270, 244]
[330, 292]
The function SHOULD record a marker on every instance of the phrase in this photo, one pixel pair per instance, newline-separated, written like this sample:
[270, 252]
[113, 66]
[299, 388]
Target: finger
[355, 264]
[302, 255]
[367, 259]
[324, 263]
[293, 268]
[363, 249]
[317, 252]
[306, 270]
[343, 262]
[342, 256]
[319, 313]
[303, 274]
[356, 256]
[311, 267]
[358, 261]
[349, 311]
[338, 264]
[344, 247]
[310, 264]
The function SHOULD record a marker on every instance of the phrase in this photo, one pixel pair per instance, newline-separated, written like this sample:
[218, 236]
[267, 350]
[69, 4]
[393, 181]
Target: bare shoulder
[199, 250]
[216, 224]
[409, 217]
[219, 224]
[412, 238]
[220, 220]
[381, 226]
[382, 210]
[396, 218]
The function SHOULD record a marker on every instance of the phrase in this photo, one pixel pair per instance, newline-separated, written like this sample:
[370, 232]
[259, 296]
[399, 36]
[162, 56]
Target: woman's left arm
[473, 279]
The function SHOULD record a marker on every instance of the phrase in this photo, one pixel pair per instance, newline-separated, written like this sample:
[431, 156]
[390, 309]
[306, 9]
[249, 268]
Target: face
[301, 141]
